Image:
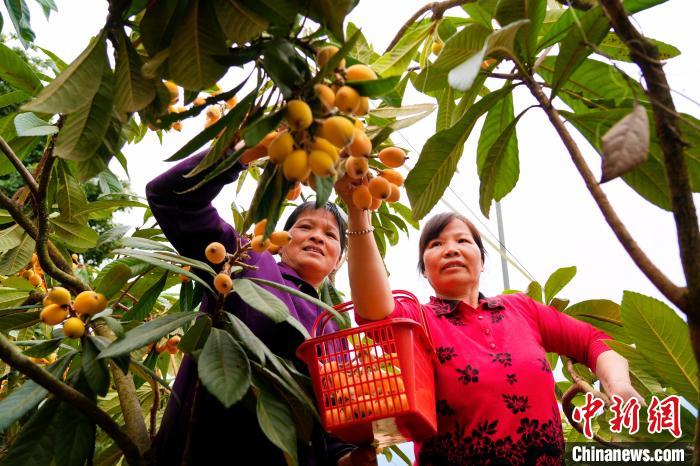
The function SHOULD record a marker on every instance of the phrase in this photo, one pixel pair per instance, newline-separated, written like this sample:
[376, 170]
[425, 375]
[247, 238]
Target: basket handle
[325, 316]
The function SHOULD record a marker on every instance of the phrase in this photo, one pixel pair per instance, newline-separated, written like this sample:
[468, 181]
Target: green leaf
[12, 297]
[13, 97]
[140, 310]
[361, 50]
[196, 336]
[37, 440]
[79, 441]
[648, 179]
[275, 419]
[238, 24]
[43, 349]
[158, 25]
[19, 14]
[196, 44]
[557, 281]
[324, 189]
[497, 153]
[534, 290]
[69, 195]
[28, 124]
[17, 73]
[147, 333]
[576, 46]
[298, 294]
[270, 194]
[662, 337]
[144, 243]
[95, 370]
[114, 325]
[479, 13]
[77, 237]
[224, 368]
[446, 108]
[10, 238]
[22, 400]
[261, 300]
[255, 132]
[247, 338]
[285, 66]
[19, 320]
[14, 260]
[375, 88]
[603, 314]
[332, 13]
[160, 260]
[132, 90]
[437, 163]
[396, 61]
[77, 84]
[616, 49]
[85, 128]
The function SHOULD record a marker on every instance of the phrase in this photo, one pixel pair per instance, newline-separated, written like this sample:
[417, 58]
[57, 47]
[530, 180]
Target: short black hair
[434, 227]
[329, 207]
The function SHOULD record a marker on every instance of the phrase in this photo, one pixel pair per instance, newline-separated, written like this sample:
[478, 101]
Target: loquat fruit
[230, 103]
[326, 96]
[280, 238]
[360, 72]
[27, 274]
[338, 130]
[223, 283]
[73, 328]
[346, 99]
[53, 314]
[177, 126]
[259, 228]
[321, 163]
[362, 107]
[324, 145]
[215, 253]
[199, 101]
[437, 47]
[172, 343]
[89, 302]
[361, 146]
[375, 204]
[273, 249]
[213, 112]
[393, 176]
[258, 244]
[296, 166]
[294, 192]
[356, 167]
[184, 278]
[325, 54]
[173, 90]
[392, 157]
[281, 147]
[58, 295]
[35, 280]
[380, 188]
[395, 193]
[299, 115]
[361, 197]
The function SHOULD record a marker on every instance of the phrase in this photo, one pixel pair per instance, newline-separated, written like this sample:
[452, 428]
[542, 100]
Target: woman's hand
[624, 390]
[361, 456]
[345, 187]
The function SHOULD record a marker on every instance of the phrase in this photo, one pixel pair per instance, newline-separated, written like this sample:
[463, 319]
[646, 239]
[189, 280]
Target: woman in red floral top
[494, 388]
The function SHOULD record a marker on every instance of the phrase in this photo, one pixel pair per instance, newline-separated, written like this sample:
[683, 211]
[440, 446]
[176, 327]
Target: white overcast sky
[550, 219]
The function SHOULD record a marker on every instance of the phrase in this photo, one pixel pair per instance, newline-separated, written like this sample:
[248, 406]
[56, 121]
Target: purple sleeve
[189, 220]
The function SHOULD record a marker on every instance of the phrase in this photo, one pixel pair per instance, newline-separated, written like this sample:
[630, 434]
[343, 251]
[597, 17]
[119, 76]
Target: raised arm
[189, 220]
[369, 284]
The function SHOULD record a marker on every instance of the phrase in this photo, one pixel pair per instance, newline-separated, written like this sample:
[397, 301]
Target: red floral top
[494, 388]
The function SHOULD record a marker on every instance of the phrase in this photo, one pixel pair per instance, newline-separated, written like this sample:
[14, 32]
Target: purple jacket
[232, 436]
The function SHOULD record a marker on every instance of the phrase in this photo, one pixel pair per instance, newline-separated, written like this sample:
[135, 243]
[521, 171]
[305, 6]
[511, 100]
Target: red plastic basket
[374, 383]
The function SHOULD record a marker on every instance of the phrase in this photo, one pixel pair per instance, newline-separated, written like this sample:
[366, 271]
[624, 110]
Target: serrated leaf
[132, 90]
[143, 308]
[77, 237]
[77, 84]
[261, 300]
[557, 281]
[28, 124]
[247, 338]
[223, 368]
[196, 336]
[275, 418]
[437, 163]
[16, 72]
[95, 370]
[196, 43]
[13, 260]
[626, 144]
[662, 338]
[85, 128]
[238, 24]
[10, 238]
[603, 314]
[43, 349]
[69, 195]
[19, 320]
[147, 333]
[395, 61]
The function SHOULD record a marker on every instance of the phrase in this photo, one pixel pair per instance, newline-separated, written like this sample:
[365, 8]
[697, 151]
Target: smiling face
[314, 250]
[453, 262]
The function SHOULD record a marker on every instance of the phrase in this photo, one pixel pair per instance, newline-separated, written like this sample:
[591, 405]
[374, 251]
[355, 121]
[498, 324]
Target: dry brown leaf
[626, 144]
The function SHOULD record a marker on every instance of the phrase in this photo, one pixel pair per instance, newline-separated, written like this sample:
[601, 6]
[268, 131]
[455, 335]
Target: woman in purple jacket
[190, 222]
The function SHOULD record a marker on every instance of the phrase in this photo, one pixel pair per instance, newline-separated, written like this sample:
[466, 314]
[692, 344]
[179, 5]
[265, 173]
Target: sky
[550, 219]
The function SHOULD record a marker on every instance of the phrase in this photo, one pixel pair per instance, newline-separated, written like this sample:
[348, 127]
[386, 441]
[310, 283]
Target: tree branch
[646, 56]
[14, 358]
[674, 293]
[19, 166]
[438, 9]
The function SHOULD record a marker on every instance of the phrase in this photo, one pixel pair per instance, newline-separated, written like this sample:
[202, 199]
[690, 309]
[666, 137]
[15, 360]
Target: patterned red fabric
[494, 387]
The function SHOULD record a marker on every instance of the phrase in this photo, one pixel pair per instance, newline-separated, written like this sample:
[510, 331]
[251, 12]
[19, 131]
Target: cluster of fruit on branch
[364, 387]
[60, 308]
